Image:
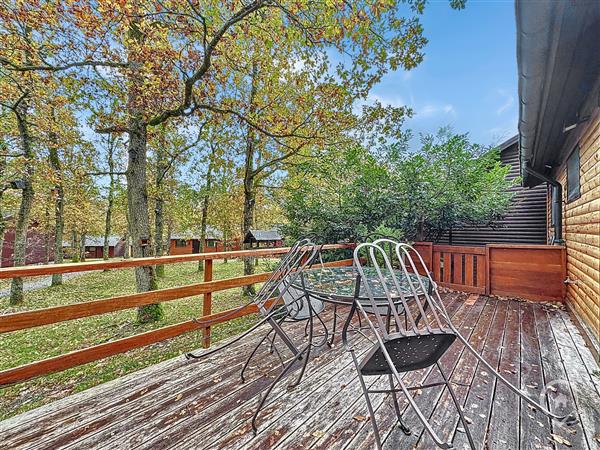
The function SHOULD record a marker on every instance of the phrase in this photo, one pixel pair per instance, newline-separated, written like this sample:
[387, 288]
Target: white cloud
[507, 103]
[384, 100]
[503, 131]
[433, 109]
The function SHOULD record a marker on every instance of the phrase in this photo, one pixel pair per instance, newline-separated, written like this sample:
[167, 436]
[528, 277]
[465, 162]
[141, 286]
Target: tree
[165, 60]
[449, 182]
[418, 195]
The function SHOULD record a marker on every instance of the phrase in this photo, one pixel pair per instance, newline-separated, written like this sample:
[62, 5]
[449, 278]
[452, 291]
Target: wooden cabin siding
[525, 222]
[581, 228]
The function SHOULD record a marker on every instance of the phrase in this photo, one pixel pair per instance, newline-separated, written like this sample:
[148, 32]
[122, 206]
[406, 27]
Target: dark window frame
[180, 243]
[211, 243]
[573, 175]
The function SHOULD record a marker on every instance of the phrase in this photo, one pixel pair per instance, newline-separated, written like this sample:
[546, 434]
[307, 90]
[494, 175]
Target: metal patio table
[337, 285]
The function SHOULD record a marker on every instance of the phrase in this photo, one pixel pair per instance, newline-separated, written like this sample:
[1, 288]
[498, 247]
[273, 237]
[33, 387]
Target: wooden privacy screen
[533, 272]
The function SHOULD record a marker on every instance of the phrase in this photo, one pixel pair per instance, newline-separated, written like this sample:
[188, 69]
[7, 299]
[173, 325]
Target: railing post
[207, 303]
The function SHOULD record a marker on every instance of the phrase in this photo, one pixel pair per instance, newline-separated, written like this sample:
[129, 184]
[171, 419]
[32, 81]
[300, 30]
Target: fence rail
[57, 314]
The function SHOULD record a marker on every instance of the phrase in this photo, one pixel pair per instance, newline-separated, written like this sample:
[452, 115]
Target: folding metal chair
[415, 346]
[282, 298]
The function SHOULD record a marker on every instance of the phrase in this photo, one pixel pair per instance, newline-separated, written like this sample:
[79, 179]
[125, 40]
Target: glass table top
[339, 282]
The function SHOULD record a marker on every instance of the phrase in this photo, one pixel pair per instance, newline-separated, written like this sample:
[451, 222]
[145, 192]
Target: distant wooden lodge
[263, 238]
[524, 223]
[94, 247]
[37, 241]
[187, 243]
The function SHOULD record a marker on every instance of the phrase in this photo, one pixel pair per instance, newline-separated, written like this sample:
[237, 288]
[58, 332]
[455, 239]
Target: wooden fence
[56, 314]
[533, 272]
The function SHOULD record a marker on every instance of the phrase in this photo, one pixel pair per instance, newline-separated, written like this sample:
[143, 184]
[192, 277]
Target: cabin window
[573, 186]
[180, 243]
[210, 243]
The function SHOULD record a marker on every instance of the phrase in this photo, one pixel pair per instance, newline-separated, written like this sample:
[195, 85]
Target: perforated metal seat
[407, 352]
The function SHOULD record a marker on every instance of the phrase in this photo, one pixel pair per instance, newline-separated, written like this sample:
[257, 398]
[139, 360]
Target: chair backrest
[391, 279]
[287, 274]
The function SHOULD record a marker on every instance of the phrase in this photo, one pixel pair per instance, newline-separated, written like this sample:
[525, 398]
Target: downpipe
[557, 239]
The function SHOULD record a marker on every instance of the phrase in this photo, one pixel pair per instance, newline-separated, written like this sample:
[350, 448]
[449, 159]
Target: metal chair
[282, 298]
[415, 346]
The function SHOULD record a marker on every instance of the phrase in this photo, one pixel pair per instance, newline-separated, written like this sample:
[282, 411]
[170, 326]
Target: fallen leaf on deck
[360, 418]
[318, 434]
[178, 397]
[561, 440]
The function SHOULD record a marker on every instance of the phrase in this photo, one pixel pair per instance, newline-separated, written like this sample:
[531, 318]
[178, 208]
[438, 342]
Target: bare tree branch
[206, 62]
[51, 68]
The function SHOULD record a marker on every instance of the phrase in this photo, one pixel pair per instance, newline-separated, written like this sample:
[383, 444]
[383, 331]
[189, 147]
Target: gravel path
[43, 282]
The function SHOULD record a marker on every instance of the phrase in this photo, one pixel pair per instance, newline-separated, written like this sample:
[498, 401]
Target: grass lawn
[24, 346]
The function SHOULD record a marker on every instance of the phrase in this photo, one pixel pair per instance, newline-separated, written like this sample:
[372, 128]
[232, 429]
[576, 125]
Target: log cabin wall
[581, 231]
[524, 223]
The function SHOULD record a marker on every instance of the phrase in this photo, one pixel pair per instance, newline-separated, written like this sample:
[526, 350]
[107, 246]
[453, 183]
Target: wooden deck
[182, 404]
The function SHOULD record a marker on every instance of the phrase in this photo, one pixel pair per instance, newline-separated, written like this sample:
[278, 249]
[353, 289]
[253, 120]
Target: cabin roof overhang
[558, 67]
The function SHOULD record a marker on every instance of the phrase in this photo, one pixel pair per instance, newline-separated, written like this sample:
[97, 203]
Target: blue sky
[468, 79]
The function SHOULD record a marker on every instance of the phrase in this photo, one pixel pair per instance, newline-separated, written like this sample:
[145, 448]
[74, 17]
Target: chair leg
[307, 356]
[368, 401]
[325, 333]
[264, 338]
[458, 407]
[333, 326]
[403, 427]
[263, 399]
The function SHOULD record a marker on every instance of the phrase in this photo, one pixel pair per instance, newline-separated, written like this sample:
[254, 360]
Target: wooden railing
[534, 272]
[56, 314]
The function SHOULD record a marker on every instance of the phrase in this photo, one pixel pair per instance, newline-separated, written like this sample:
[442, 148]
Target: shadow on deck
[186, 404]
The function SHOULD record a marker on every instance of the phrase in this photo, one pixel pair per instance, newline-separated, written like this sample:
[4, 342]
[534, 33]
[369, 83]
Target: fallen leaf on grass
[561, 440]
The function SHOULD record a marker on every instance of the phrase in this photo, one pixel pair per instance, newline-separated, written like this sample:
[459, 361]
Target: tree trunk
[20, 246]
[139, 224]
[47, 233]
[111, 200]
[205, 203]
[76, 249]
[127, 250]
[159, 227]
[137, 187]
[82, 246]
[420, 230]
[249, 188]
[168, 239]
[59, 208]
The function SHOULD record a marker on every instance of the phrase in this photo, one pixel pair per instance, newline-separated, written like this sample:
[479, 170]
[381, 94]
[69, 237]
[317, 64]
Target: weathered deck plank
[504, 423]
[182, 404]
